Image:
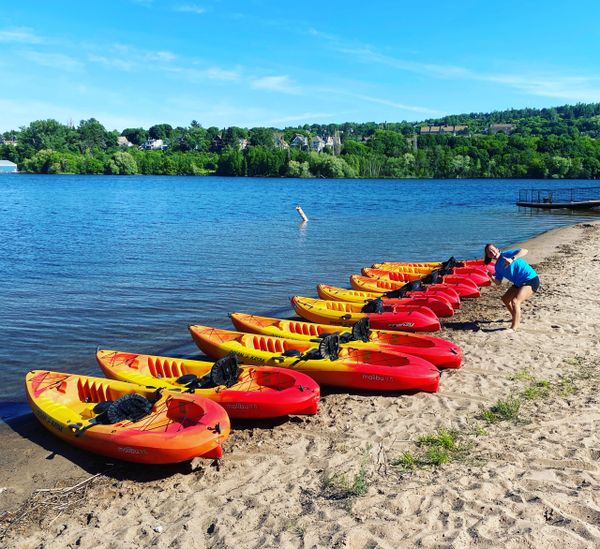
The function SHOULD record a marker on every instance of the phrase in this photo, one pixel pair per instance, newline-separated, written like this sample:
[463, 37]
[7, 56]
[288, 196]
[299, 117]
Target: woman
[511, 265]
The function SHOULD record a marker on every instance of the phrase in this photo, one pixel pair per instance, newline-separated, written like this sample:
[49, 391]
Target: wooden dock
[576, 198]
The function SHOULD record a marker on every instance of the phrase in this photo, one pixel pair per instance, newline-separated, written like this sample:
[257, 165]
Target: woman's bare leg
[507, 299]
[522, 294]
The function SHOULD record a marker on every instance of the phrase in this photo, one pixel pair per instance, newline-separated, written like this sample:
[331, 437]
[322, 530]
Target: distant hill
[558, 142]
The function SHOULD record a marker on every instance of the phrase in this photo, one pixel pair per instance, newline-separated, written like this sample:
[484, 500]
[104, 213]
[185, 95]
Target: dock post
[301, 213]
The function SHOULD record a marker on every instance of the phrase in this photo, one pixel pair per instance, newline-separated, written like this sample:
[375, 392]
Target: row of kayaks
[153, 409]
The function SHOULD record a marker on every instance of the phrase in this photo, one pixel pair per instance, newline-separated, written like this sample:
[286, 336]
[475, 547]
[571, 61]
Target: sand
[343, 478]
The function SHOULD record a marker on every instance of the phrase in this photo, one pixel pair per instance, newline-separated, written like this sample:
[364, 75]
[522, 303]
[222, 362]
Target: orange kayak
[252, 393]
[464, 287]
[325, 361]
[437, 302]
[465, 263]
[475, 274]
[125, 421]
[409, 318]
[440, 352]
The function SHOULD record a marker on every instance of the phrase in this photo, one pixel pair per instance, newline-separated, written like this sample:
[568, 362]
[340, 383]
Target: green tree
[137, 136]
[121, 163]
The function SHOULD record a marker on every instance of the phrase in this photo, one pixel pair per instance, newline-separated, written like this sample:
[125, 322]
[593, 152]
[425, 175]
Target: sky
[131, 63]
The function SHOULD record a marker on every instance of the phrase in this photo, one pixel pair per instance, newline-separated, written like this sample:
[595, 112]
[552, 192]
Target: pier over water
[573, 197]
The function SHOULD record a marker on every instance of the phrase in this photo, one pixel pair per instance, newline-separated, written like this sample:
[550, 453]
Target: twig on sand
[50, 498]
[71, 488]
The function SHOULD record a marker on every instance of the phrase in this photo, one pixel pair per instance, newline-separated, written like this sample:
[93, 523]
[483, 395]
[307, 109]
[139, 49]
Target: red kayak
[447, 279]
[369, 283]
[245, 392]
[409, 318]
[440, 352]
[436, 302]
[325, 361]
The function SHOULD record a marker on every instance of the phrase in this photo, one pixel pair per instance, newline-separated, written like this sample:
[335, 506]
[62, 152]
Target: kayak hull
[436, 302]
[356, 368]
[440, 352]
[334, 293]
[258, 394]
[406, 317]
[179, 427]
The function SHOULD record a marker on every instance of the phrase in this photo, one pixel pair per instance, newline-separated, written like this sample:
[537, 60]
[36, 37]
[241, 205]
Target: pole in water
[301, 213]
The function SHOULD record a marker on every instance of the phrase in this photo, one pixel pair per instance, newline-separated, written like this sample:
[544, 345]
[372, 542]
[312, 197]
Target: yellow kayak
[438, 351]
[401, 317]
[251, 393]
[125, 421]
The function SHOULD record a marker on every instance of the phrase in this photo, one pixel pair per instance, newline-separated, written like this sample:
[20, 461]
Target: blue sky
[271, 63]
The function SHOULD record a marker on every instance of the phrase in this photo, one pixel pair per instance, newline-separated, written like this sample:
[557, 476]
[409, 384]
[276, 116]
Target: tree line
[561, 142]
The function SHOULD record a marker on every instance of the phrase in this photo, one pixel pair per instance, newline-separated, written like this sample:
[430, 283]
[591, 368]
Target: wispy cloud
[126, 58]
[190, 8]
[20, 35]
[215, 73]
[113, 62]
[389, 103]
[574, 88]
[57, 61]
[282, 84]
[304, 117]
[559, 85]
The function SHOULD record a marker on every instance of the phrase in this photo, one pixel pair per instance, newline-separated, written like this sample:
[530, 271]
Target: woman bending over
[525, 281]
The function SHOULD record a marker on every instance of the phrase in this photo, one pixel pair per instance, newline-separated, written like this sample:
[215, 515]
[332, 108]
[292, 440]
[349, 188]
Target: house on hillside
[501, 128]
[11, 141]
[317, 144]
[6, 166]
[334, 142]
[299, 142]
[153, 145]
[217, 144]
[450, 129]
[280, 142]
[243, 143]
[122, 141]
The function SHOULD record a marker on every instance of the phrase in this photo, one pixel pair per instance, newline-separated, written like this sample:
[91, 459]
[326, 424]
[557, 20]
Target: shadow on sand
[28, 427]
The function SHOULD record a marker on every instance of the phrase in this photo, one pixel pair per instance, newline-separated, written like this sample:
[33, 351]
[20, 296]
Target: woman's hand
[508, 261]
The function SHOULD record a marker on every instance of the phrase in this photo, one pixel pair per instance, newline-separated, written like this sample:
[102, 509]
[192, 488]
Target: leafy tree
[121, 163]
[160, 131]
[93, 135]
[137, 136]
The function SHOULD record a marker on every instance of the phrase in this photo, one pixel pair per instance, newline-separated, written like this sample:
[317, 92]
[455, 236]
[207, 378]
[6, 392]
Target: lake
[128, 262]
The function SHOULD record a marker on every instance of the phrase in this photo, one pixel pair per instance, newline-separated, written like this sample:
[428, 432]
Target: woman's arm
[520, 253]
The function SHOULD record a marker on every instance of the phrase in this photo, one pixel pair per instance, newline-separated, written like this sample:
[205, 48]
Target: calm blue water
[128, 262]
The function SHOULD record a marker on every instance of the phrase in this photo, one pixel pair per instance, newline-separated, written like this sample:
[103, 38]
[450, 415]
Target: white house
[153, 145]
[317, 144]
[122, 141]
[6, 166]
[299, 142]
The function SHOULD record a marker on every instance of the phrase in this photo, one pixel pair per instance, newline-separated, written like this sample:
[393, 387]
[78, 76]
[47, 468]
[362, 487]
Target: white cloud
[113, 62]
[126, 58]
[21, 35]
[58, 61]
[281, 84]
[559, 85]
[389, 103]
[161, 56]
[304, 117]
[190, 8]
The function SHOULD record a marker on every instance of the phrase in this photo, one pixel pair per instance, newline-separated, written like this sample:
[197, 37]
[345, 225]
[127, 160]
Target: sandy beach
[506, 454]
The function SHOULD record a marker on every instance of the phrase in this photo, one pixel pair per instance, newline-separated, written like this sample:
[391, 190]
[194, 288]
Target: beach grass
[503, 410]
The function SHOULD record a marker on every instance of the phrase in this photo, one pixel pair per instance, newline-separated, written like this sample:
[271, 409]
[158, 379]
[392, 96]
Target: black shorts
[533, 282]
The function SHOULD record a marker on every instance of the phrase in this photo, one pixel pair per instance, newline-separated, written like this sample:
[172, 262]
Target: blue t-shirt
[518, 272]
